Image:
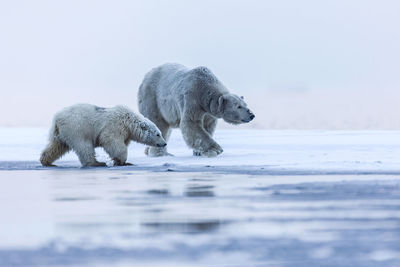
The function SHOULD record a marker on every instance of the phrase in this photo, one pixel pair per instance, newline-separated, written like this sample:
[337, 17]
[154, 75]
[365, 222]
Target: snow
[273, 198]
[254, 151]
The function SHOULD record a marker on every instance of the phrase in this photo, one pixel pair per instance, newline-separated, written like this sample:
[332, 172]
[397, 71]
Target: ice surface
[273, 198]
[245, 151]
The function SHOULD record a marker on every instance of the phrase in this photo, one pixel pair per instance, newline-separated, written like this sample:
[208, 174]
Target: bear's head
[234, 110]
[149, 134]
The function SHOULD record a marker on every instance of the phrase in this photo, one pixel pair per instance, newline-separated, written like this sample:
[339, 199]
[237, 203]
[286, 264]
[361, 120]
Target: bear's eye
[158, 135]
[239, 107]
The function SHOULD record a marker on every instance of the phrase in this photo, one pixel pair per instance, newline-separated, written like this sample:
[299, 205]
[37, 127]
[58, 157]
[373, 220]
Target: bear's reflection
[185, 227]
[199, 191]
[158, 192]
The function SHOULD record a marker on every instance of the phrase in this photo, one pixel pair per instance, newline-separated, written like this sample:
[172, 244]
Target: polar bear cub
[83, 127]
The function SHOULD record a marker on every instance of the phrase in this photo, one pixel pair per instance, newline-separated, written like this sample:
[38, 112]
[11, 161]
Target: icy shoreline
[273, 198]
[265, 170]
[245, 151]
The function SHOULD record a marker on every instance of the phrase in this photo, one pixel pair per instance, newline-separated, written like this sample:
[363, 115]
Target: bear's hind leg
[118, 152]
[54, 150]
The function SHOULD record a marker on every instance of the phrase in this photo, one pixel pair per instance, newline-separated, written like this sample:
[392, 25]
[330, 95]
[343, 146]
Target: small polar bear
[173, 96]
[83, 127]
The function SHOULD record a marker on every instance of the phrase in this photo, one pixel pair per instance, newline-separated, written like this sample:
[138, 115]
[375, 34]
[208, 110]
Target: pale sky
[299, 64]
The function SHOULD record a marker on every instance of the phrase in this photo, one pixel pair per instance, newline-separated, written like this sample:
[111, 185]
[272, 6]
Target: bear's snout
[250, 116]
[162, 145]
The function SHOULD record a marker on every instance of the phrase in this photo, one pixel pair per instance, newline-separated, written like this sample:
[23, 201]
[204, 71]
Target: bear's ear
[143, 125]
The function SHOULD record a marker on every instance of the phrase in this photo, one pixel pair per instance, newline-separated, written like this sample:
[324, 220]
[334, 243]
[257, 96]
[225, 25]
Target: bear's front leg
[197, 138]
[86, 154]
[209, 124]
[118, 162]
[212, 151]
[118, 152]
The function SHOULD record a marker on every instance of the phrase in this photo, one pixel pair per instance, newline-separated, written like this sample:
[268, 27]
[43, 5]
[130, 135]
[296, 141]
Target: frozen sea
[273, 198]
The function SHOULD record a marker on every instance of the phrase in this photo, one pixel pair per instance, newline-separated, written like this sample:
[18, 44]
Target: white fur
[174, 96]
[83, 127]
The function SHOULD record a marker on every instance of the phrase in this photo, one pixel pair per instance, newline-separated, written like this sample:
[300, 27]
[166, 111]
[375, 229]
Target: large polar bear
[173, 96]
[83, 127]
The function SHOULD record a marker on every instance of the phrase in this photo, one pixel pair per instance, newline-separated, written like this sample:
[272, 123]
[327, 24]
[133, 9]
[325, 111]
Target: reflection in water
[133, 202]
[202, 179]
[154, 210]
[200, 191]
[185, 227]
[329, 191]
[286, 220]
[74, 198]
[200, 187]
[158, 192]
[139, 198]
[93, 226]
[200, 194]
[117, 177]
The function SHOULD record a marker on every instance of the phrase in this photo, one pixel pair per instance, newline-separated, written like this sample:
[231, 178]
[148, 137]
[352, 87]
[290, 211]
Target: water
[130, 217]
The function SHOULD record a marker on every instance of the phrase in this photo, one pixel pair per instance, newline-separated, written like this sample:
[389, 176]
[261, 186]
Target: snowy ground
[273, 198]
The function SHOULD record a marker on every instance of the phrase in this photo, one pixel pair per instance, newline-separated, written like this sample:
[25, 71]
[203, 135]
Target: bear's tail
[55, 149]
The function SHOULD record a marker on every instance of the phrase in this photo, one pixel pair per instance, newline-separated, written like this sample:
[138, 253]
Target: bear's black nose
[252, 116]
